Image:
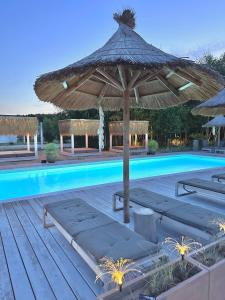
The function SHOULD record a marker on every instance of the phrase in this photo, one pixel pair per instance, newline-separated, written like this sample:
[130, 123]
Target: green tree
[50, 128]
[217, 63]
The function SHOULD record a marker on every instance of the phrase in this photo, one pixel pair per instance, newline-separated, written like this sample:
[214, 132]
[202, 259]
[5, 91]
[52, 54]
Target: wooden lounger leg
[45, 224]
[218, 179]
[114, 202]
[177, 189]
[177, 194]
[116, 198]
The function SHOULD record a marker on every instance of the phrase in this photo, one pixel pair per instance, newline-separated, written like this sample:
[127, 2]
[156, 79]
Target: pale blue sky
[38, 36]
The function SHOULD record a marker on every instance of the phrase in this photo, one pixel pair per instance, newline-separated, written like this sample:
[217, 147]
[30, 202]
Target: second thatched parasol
[213, 107]
[217, 122]
[127, 72]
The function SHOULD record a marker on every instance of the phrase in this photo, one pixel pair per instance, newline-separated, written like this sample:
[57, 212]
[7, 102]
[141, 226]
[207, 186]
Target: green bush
[51, 151]
[181, 148]
[153, 146]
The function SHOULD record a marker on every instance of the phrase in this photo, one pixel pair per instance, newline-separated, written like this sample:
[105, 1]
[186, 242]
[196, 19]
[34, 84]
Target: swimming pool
[18, 183]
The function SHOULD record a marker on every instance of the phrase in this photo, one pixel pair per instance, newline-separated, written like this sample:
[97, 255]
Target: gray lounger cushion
[116, 241]
[188, 214]
[204, 184]
[76, 215]
[159, 203]
[98, 234]
[195, 216]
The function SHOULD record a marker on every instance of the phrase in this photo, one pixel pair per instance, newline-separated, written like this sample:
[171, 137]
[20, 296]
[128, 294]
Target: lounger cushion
[159, 203]
[204, 184]
[114, 240]
[188, 214]
[97, 234]
[76, 215]
[195, 216]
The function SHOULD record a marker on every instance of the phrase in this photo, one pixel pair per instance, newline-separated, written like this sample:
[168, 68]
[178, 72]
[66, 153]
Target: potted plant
[175, 280]
[51, 152]
[212, 258]
[153, 146]
[178, 279]
[166, 282]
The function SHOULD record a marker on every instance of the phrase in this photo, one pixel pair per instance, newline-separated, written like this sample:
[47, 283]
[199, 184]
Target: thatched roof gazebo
[78, 127]
[217, 122]
[127, 72]
[13, 125]
[136, 128]
[20, 126]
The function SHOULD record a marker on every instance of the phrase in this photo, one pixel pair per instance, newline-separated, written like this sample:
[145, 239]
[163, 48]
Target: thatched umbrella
[213, 107]
[125, 73]
[217, 122]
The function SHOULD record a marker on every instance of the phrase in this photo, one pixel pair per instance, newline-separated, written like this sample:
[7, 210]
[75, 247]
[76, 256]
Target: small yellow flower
[222, 227]
[183, 247]
[220, 223]
[117, 269]
[117, 277]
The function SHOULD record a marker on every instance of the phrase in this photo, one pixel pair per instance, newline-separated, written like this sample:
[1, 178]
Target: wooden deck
[38, 263]
[16, 155]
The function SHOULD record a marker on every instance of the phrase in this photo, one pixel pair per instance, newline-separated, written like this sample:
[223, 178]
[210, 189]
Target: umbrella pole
[126, 123]
[218, 137]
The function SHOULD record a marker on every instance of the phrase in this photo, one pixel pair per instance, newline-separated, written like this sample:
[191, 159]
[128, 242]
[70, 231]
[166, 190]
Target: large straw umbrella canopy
[217, 122]
[212, 107]
[125, 73]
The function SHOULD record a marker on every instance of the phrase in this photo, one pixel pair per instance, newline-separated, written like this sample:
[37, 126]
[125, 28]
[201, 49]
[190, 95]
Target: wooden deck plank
[56, 279]
[6, 291]
[71, 275]
[39, 282]
[20, 281]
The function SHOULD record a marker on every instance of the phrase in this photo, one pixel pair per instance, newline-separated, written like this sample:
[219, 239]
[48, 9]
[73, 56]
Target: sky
[38, 36]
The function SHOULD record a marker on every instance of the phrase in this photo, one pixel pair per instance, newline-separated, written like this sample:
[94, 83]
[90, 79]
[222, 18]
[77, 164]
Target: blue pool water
[34, 181]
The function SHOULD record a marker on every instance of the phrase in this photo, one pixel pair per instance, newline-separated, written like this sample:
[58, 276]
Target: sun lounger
[219, 177]
[185, 217]
[190, 186]
[209, 149]
[220, 150]
[95, 235]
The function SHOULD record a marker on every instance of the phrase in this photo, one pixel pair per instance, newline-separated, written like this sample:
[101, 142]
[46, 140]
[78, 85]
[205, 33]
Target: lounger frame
[115, 199]
[192, 189]
[184, 187]
[217, 179]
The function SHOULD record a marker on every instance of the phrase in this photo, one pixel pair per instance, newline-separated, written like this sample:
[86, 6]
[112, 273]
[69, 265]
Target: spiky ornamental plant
[183, 247]
[116, 269]
[220, 223]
